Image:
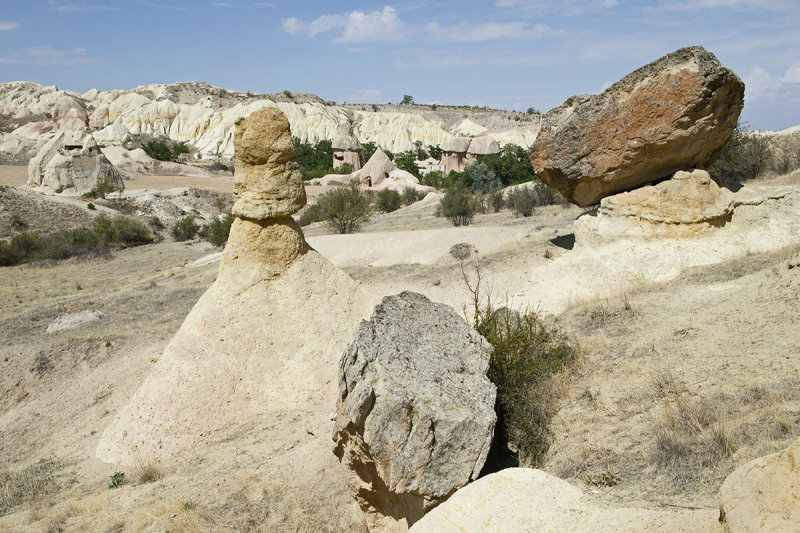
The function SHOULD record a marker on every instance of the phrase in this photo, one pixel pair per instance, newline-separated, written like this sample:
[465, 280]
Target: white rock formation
[71, 163]
[378, 173]
[527, 500]
[204, 116]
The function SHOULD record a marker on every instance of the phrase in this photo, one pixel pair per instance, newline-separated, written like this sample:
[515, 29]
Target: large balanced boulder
[258, 353]
[672, 114]
[72, 164]
[764, 494]
[415, 417]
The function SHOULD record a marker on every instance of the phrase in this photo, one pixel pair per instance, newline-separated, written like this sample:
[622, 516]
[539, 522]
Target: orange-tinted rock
[672, 114]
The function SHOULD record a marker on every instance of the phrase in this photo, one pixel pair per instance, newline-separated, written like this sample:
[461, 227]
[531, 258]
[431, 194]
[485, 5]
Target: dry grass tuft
[27, 485]
[147, 470]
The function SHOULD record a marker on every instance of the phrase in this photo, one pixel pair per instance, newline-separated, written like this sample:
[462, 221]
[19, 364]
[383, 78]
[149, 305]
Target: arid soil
[678, 383]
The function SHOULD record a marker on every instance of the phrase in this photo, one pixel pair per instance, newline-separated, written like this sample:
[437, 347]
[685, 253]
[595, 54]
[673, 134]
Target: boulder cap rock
[672, 114]
[485, 145]
[416, 410]
[346, 143]
[267, 180]
[456, 144]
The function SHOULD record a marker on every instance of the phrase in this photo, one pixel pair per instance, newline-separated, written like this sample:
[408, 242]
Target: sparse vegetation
[90, 206]
[102, 234]
[185, 229]
[481, 178]
[343, 209]
[522, 201]
[409, 195]
[164, 151]
[219, 229]
[527, 353]
[388, 200]
[117, 479]
[458, 205]
[28, 484]
[744, 157]
[147, 470]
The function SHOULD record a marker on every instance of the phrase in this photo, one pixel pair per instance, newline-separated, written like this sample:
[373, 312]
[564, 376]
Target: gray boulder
[415, 416]
[673, 114]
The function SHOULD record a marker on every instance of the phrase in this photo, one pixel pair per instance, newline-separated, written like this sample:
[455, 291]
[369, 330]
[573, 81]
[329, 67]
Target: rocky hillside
[203, 116]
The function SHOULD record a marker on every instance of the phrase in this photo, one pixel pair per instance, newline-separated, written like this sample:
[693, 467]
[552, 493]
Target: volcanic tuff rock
[204, 117]
[71, 163]
[255, 351]
[683, 206]
[416, 411]
[764, 494]
[525, 500]
[672, 114]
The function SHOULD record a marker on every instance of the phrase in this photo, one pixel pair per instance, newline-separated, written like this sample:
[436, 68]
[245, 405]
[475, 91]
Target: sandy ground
[715, 346]
[13, 175]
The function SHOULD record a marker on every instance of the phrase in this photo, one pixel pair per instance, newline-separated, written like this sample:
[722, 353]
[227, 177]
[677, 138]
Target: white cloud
[488, 31]
[759, 84]
[792, 74]
[353, 27]
[6, 25]
[46, 56]
[561, 7]
[364, 96]
[733, 5]
[221, 4]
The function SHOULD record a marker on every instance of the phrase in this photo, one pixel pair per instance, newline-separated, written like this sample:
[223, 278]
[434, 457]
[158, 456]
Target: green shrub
[458, 205]
[165, 151]
[101, 234]
[527, 352]
[511, 166]
[496, 200]
[344, 209]
[744, 157]
[523, 200]
[409, 195]
[90, 206]
[407, 161]
[481, 178]
[313, 213]
[185, 229]
[388, 200]
[116, 480]
[316, 160]
[219, 230]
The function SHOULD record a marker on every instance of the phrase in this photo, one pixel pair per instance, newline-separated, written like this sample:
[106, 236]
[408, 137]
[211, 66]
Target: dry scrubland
[678, 382]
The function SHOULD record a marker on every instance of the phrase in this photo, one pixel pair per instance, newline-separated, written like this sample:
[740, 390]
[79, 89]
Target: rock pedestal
[672, 114]
[258, 353]
[416, 411]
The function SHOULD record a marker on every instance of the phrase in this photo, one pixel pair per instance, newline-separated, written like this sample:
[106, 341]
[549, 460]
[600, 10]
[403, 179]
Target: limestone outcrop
[256, 350]
[672, 114]
[71, 163]
[683, 206]
[415, 417]
[764, 494]
[523, 499]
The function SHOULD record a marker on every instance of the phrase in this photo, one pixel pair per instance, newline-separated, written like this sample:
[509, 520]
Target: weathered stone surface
[764, 494]
[416, 411]
[71, 163]
[74, 320]
[672, 114]
[263, 249]
[527, 500]
[267, 180]
[684, 206]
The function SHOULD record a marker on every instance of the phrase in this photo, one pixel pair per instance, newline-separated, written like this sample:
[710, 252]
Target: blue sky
[511, 54]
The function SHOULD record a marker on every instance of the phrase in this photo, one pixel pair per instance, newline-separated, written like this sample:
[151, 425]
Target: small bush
[496, 200]
[343, 209]
[101, 234]
[409, 195]
[147, 471]
[458, 205]
[388, 200]
[527, 352]
[116, 480]
[313, 213]
[219, 230]
[165, 151]
[481, 178]
[185, 229]
[744, 157]
[90, 206]
[523, 200]
[22, 486]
